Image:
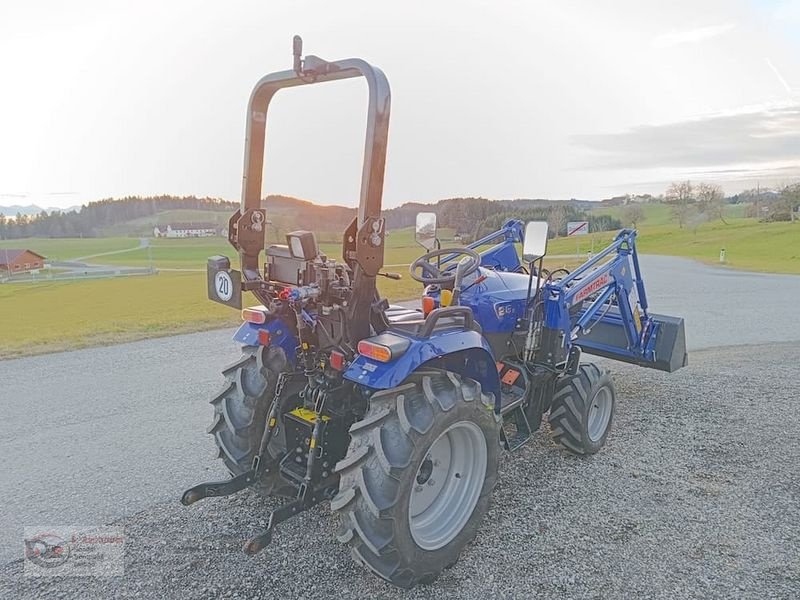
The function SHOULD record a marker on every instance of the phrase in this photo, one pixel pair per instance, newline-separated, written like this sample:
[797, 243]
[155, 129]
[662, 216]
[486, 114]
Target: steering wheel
[430, 273]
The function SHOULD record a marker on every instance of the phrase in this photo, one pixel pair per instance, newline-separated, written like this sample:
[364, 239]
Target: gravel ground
[119, 429]
[696, 495]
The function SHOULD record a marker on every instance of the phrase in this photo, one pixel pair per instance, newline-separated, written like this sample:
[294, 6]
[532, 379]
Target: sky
[501, 99]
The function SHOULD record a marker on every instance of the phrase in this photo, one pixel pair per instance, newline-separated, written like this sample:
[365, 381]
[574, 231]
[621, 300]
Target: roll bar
[306, 71]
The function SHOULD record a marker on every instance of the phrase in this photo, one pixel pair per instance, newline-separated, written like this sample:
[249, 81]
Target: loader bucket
[607, 338]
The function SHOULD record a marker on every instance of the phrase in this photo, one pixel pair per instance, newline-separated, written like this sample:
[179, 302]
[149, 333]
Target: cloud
[758, 135]
[691, 36]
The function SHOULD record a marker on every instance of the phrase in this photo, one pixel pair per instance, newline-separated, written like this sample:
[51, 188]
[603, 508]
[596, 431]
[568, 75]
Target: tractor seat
[398, 314]
[412, 321]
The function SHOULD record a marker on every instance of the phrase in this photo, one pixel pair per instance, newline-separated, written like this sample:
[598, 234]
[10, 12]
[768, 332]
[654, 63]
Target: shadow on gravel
[695, 496]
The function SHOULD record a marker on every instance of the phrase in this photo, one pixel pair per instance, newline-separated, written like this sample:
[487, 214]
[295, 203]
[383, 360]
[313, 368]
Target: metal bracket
[214, 489]
[285, 512]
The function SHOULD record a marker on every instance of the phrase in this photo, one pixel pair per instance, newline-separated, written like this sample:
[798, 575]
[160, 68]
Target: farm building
[15, 260]
[183, 230]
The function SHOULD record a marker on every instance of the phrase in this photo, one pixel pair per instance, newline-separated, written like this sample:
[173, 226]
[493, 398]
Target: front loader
[397, 415]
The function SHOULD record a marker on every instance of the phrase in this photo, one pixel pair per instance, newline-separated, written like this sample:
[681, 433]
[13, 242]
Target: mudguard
[465, 352]
[279, 335]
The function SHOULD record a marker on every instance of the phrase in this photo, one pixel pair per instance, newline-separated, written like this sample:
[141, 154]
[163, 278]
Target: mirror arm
[530, 342]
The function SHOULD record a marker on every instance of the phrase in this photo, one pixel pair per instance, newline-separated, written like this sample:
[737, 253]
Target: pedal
[218, 488]
[522, 434]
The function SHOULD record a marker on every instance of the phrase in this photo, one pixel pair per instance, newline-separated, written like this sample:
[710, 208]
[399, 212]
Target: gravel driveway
[696, 495]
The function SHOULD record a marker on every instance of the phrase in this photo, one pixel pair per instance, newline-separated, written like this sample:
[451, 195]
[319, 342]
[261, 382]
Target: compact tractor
[397, 415]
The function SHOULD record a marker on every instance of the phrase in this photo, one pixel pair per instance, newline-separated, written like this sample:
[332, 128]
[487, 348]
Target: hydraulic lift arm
[601, 308]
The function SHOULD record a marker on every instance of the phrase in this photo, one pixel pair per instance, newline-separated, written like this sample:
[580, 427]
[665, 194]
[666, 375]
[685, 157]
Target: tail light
[337, 360]
[255, 314]
[384, 347]
[374, 351]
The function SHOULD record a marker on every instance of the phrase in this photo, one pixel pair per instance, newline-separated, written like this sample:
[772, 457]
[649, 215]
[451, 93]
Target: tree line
[102, 213]
[470, 217]
[692, 204]
[473, 218]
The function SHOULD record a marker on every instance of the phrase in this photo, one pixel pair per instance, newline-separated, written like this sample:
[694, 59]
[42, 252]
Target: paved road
[143, 243]
[93, 435]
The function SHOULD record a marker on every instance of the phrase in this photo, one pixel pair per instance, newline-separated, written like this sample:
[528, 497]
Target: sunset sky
[502, 99]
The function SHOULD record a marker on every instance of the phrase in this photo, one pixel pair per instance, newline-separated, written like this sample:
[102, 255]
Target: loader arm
[601, 308]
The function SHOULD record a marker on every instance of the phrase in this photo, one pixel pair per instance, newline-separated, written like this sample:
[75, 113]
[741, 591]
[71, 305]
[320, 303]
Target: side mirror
[535, 244]
[425, 233]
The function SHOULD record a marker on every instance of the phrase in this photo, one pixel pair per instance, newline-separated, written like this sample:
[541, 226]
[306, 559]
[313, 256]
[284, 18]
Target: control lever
[459, 277]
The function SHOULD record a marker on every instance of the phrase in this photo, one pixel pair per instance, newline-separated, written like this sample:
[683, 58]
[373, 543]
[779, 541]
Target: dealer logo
[47, 550]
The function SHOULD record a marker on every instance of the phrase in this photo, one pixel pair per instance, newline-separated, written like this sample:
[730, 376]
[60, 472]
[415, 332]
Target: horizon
[51, 209]
[517, 100]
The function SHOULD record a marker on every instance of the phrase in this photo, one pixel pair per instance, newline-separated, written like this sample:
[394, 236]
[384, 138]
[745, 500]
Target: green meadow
[55, 315]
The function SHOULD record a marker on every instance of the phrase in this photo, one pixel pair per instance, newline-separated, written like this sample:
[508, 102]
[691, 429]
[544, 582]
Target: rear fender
[279, 335]
[464, 352]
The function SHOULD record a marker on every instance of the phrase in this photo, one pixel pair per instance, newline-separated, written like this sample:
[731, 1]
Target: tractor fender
[279, 335]
[465, 352]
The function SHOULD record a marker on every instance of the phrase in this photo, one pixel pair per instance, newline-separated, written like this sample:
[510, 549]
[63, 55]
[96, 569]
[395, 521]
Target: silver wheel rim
[447, 485]
[599, 413]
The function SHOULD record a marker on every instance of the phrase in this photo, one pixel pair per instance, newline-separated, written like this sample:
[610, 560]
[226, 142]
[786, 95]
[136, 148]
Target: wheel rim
[599, 413]
[447, 485]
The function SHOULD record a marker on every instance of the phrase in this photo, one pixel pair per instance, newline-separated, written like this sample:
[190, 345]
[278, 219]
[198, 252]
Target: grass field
[64, 315]
[70, 248]
[748, 244]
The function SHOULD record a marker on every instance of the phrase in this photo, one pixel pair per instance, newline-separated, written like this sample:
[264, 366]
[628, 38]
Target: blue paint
[499, 305]
[468, 352]
[279, 335]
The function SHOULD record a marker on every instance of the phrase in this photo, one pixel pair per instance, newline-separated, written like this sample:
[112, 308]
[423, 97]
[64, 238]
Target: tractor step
[509, 401]
[513, 389]
[518, 420]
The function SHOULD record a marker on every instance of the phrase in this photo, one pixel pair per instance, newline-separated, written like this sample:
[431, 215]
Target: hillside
[136, 216]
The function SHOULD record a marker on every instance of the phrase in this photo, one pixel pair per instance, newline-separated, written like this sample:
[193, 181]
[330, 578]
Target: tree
[632, 214]
[711, 201]
[557, 220]
[786, 205]
[680, 195]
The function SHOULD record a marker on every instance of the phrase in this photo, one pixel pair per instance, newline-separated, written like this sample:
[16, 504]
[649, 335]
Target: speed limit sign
[223, 286]
[224, 283]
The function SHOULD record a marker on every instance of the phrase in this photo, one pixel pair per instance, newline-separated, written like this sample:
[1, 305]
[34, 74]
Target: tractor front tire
[418, 476]
[240, 413]
[583, 409]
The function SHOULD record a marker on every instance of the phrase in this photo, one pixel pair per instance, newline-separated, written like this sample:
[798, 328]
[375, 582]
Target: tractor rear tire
[418, 476]
[240, 413]
[583, 409]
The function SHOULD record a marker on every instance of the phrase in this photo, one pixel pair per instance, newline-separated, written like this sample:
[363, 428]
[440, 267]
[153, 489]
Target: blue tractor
[398, 415]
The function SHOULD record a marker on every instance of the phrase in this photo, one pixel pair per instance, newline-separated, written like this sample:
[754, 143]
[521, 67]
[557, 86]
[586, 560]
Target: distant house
[17, 261]
[183, 230]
